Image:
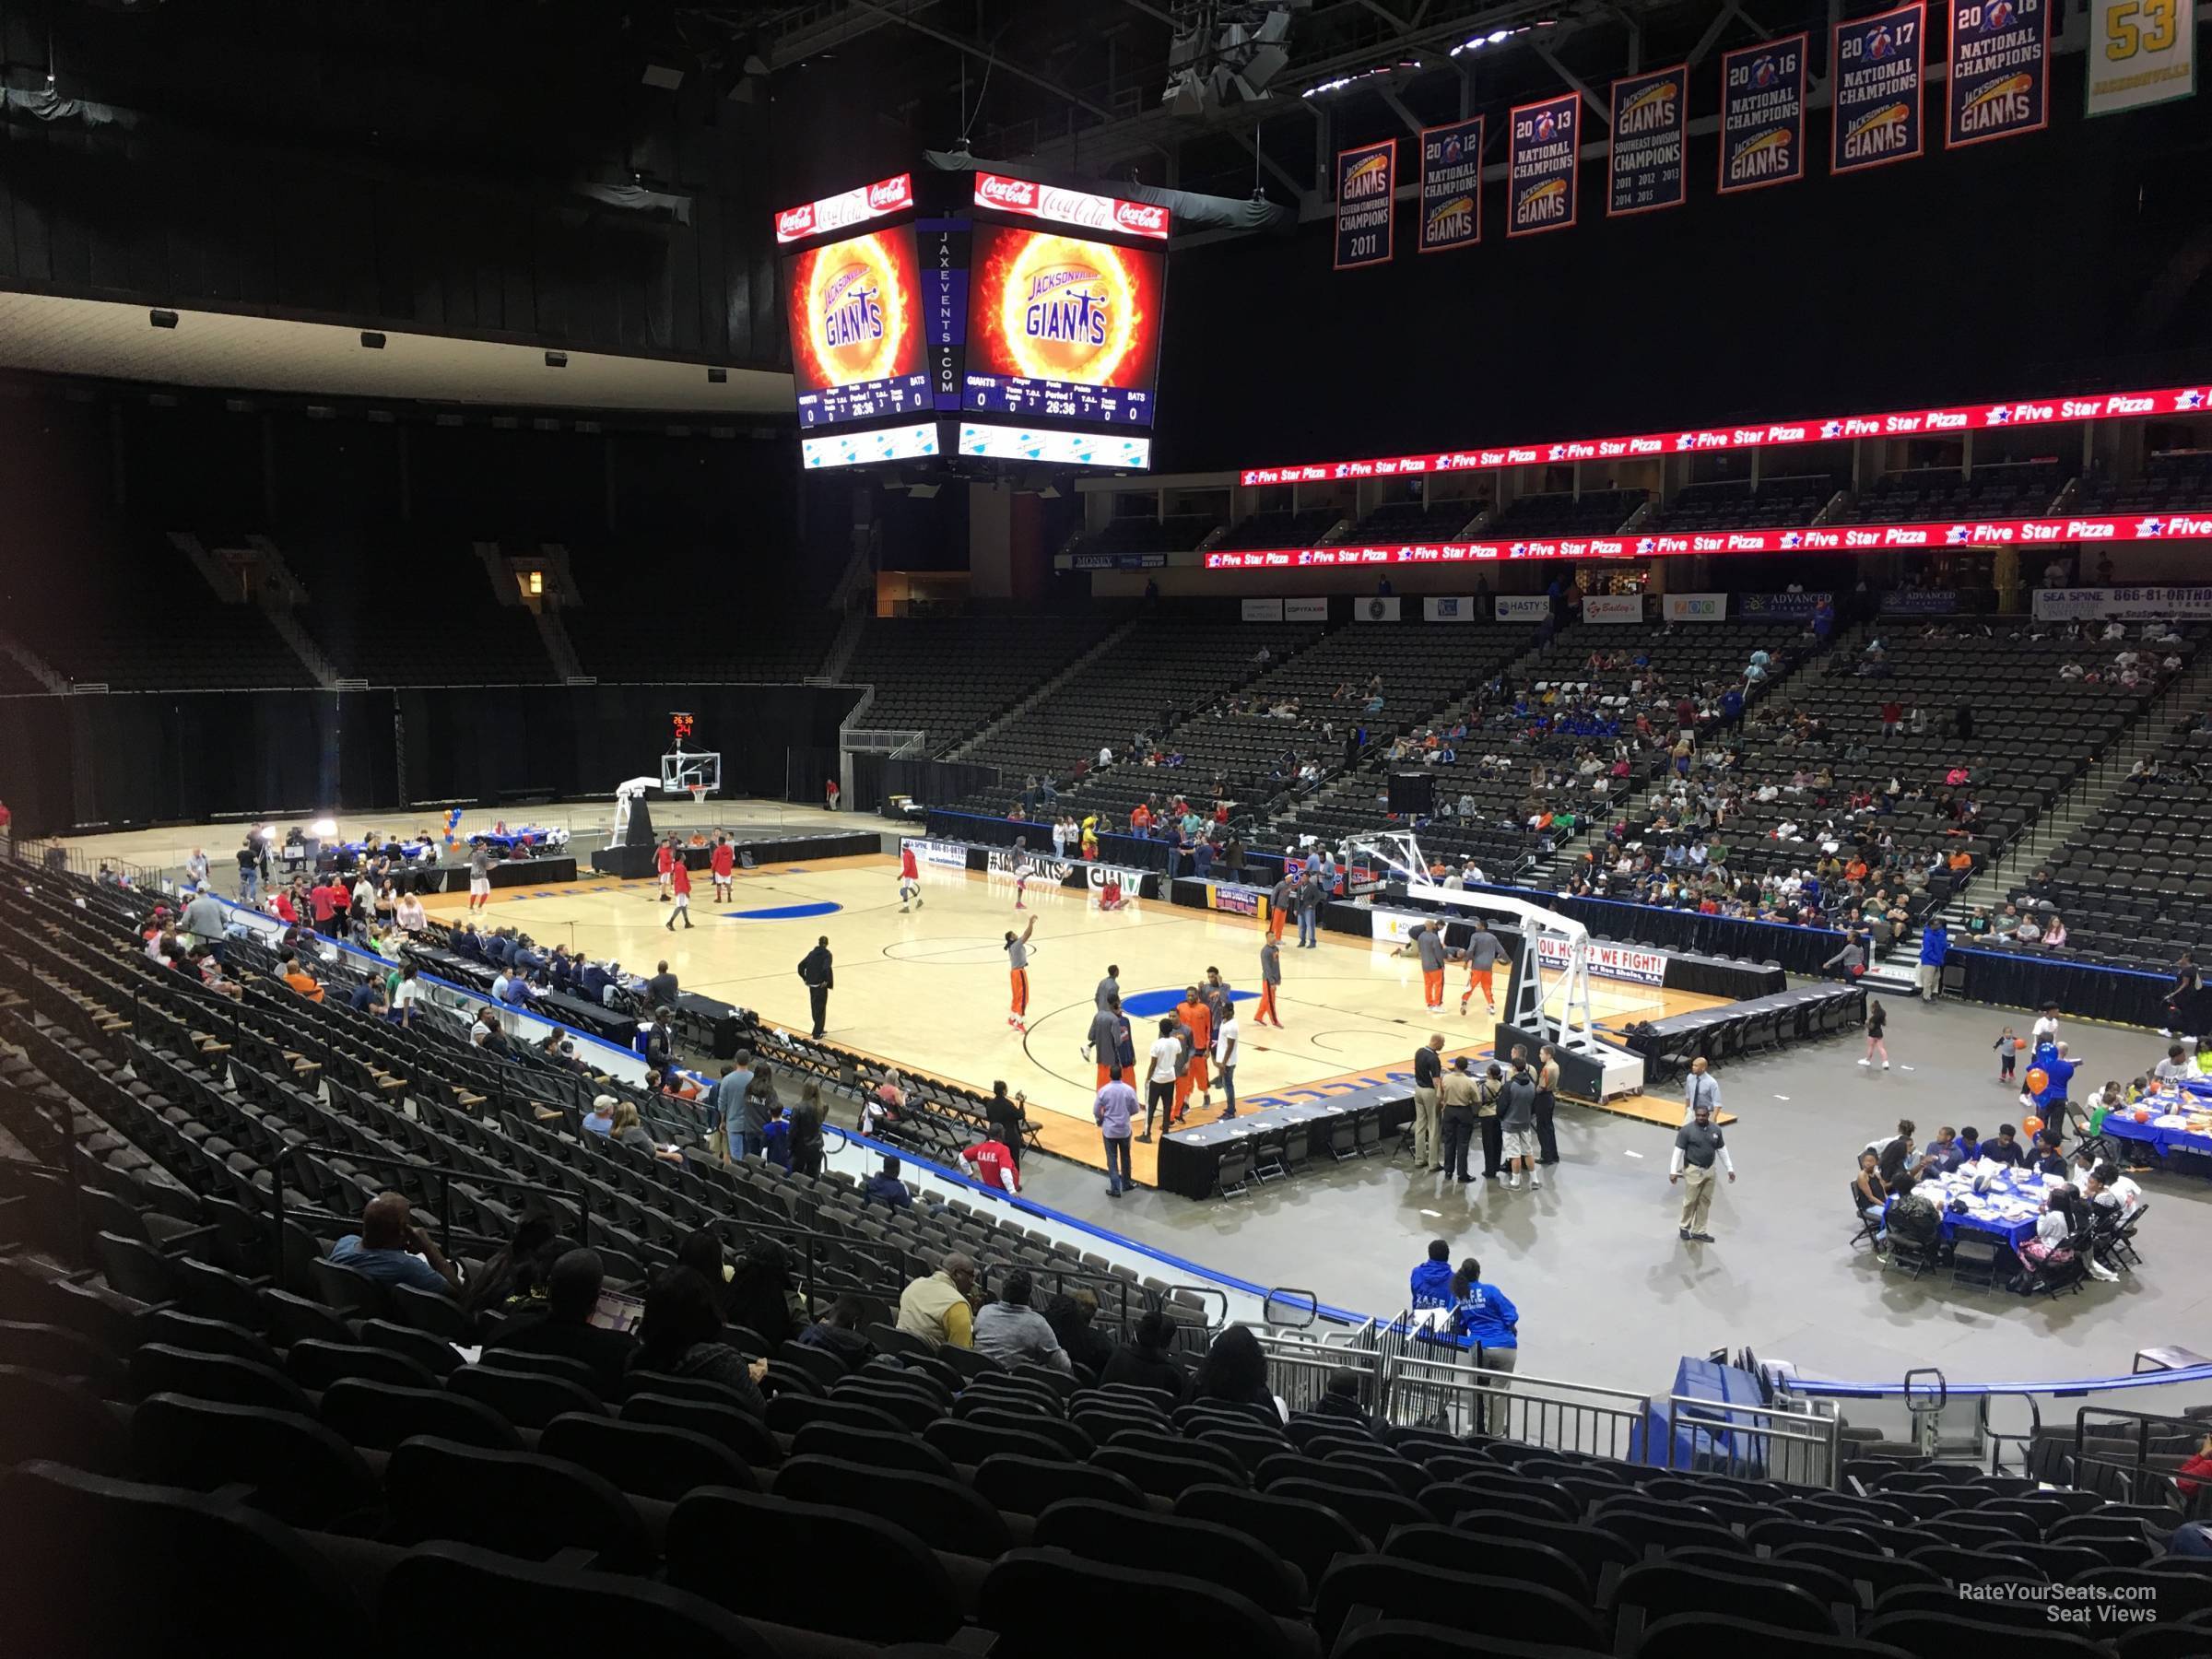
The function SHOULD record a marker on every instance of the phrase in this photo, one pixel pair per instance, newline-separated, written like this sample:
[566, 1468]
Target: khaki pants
[1495, 1360]
[1428, 1146]
[1931, 981]
[1696, 1196]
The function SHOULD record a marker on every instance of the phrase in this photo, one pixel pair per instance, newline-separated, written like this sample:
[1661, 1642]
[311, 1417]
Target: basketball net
[698, 793]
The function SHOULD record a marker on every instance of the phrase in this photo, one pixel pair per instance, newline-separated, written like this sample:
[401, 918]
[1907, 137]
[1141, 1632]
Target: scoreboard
[1022, 323]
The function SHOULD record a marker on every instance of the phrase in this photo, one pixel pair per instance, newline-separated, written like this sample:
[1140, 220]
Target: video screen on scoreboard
[1060, 327]
[856, 329]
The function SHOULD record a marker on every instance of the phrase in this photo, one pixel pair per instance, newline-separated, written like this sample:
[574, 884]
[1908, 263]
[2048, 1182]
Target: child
[2008, 1047]
[775, 1141]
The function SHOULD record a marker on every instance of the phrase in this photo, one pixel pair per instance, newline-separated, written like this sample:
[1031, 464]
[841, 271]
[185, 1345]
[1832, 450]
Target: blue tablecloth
[2023, 1185]
[2160, 1138]
[508, 840]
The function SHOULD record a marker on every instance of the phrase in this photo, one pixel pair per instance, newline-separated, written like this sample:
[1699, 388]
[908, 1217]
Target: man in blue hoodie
[1935, 945]
[1486, 1321]
[1432, 1279]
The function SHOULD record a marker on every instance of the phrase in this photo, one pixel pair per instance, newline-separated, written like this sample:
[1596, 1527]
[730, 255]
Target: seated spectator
[838, 1333]
[762, 1297]
[1235, 1369]
[392, 1250]
[1147, 1359]
[886, 1188]
[600, 1118]
[935, 1308]
[299, 980]
[2107, 1187]
[1013, 1333]
[1340, 1400]
[681, 1335]
[565, 1328]
[2195, 1470]
[1966, 1150]
[2006, 1149]
[1071, 1317]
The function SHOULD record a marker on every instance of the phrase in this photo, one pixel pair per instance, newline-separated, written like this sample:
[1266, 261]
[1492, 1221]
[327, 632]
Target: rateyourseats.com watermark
[2074, 1605]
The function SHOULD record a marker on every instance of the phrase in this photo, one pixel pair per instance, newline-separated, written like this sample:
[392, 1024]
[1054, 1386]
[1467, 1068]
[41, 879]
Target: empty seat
[944, 1511]
[380, 1414]
[1030, 1596]
[300, 1470]
[646, 1459]
[516, 1502]
[57, 1418]
[1516, 1611]
[1207, 1549]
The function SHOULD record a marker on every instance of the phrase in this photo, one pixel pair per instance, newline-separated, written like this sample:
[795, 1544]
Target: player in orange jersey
[1193, 1012]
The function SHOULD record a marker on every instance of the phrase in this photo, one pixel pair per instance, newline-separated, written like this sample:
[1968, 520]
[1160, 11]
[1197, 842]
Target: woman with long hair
[681, 1335]
[514, 1281]
[1236, 1369]
[1877, 1023]
[760, 1292]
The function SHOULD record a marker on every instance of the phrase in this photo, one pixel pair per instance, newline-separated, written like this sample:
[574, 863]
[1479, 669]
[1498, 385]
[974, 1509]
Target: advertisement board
[1695, 607]
[1628, 962]
[1612, 608]
[2124, 604]
[1453, 608]
[1263, 610]
[941, 855]
[1522, 607]
[1305, 610]
[1044, 869]
[1237, 901]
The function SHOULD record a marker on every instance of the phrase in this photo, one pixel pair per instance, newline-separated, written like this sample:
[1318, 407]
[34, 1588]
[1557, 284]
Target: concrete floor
[1608, 1295]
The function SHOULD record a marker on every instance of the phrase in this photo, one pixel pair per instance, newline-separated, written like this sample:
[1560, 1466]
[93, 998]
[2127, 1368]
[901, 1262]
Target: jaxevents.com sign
[943, 854]
[2124, 604]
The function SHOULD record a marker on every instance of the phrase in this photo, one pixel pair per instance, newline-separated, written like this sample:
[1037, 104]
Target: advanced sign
[1110, 214]
[1841, 538]
[1897, 423]
[846, 209]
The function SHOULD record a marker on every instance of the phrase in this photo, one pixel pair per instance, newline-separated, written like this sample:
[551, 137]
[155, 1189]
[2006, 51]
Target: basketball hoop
[699, 795]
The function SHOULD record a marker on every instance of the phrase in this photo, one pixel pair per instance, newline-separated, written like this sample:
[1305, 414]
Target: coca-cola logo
[993, 191]
[1139, 215]
[891, 192]
[794, 222]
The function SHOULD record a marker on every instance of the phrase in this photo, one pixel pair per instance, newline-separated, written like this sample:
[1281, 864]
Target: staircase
[841, 648]
[1113, 638]
[553, 634]
[34, 666]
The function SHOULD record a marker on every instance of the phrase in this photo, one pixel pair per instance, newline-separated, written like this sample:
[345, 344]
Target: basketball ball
[2019, 1045]
[2038, 1079]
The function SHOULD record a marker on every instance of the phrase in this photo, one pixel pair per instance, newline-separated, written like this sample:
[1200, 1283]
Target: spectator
[1340, 1400]
[1236, 1370]
[1934, 948]
[682, 1336]
[935, 1308]
[600, 1118]
[1485, 1318]
[392, 1250]
[806, 1142]
[1871, 1194]
[1071, 1317]
[660, 989]
[993, 1165]
[886, 1188]
[1430, 1283]
[838, 1333]
[299, 980]
[1147, 1359]
[565, 1328]
[1013, 1333]
[762, 1297]
[1005, 1119]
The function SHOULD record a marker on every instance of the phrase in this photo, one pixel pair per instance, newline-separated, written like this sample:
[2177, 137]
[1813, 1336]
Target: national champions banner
[1450, 186]
[1877, 71]
[1651, 124]
[1541, 163]
[1762, 116]
[2141, 52]
[1366, 182]
[2000, 70]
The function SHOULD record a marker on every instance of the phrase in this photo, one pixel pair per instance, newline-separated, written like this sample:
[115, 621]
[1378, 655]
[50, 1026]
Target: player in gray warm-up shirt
[1482, 953]
[1429, 945]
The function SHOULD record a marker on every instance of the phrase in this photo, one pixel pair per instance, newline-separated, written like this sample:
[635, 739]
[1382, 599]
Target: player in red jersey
[664, 859]
[723, 861]
[679, 878]
[910, 882]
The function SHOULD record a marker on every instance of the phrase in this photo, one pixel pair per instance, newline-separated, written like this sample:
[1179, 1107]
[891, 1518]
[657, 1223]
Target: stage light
[556, 359]
[717, 377]
[162, 318]
[372, 340]
[325, 827]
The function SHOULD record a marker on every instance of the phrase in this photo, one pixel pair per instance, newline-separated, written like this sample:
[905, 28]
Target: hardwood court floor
[929, 990]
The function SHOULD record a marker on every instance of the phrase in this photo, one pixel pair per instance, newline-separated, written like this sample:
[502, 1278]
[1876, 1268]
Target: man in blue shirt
[1485, 1319]
[729, 1101]
[392, 1250]
[886, 1188]
[1934, 946]
[1431, 1281]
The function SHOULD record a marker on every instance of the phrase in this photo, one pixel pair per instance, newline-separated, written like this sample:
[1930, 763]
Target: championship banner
[1449, 609]
[1541, 162]
[1650, 126]
[1450, 186]
[1612, 608]
[1366, 182]
[1305, 610]
[2000, 73]
[1878, 70]
[2124, 604]
[1695, 607]
[2141, 52]
[1522, 607]
[1263, 610]
[1762, 116]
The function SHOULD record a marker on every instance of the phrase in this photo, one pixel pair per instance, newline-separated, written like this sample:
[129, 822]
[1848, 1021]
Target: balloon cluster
[453, 827]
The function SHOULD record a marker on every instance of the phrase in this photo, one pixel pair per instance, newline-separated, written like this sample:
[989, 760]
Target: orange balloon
[2038, 1079]
[2031, 1126]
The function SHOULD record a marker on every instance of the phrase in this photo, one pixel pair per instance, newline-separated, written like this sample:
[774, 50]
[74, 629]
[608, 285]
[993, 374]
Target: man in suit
[817, 969]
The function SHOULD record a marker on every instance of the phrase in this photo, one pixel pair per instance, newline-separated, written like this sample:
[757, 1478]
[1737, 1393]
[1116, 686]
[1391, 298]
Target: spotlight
[162, 318]
[372, 340]
[556, 359]
[325, 827]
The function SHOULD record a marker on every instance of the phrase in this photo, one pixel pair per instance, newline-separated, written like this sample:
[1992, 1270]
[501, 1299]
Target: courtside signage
[1762, 116]
[1651, 124]
[846, 209]
[1847, 538]
[1004, 861]
[1877, 71]
[945, 855]
[1026, 198]
[1608, 961]
[1896, 423]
